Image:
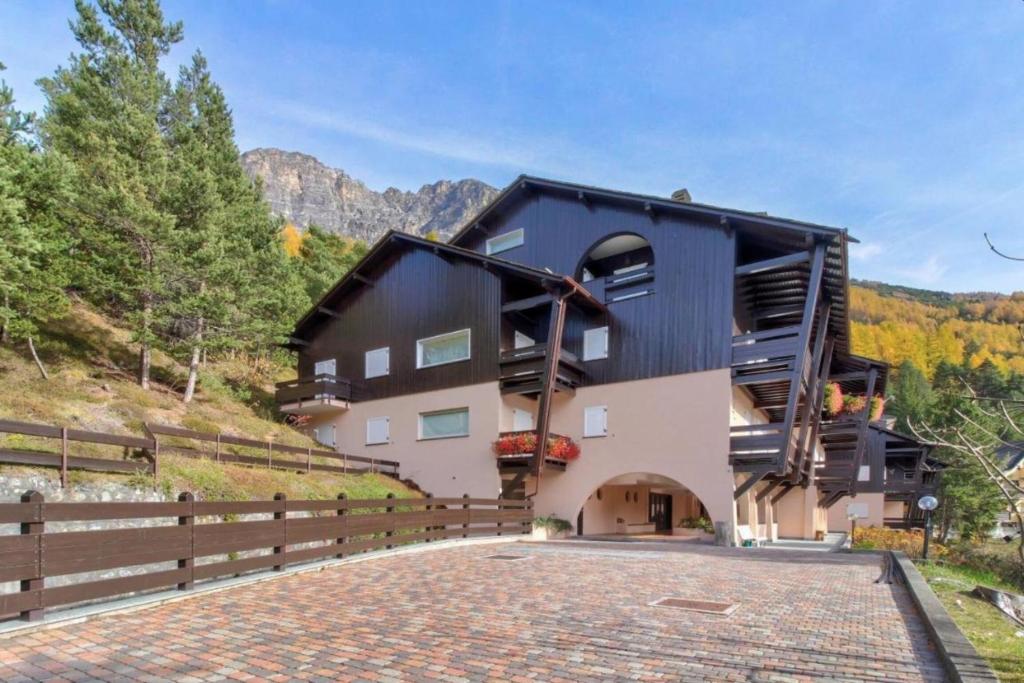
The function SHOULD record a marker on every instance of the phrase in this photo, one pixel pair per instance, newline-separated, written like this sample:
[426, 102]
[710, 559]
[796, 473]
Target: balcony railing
[521, 371]
[622, 286]
[315, 393]
[765, 356]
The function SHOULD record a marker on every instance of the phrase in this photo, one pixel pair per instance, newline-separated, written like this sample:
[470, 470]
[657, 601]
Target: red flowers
[525, 443]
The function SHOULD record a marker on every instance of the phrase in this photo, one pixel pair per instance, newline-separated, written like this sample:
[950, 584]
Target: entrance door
[661, 511]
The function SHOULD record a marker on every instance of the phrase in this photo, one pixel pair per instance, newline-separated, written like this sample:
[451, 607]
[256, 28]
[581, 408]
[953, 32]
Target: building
[688, 350]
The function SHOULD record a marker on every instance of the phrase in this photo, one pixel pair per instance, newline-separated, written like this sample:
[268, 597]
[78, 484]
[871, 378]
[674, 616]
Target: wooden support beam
[786, 488]
[726, 225]
[849, 376]
[762, 378]
[443, 255]
[778, 311]
[528, 303]
[295, 341]
[649, 210]
[582, 196]
[811, 395]
[359, 277]
[862, 429]
[763, 493]
[556, 327]
[328, 312]
[819, 405]
[749, 483]
[803, 342]
[773, 263]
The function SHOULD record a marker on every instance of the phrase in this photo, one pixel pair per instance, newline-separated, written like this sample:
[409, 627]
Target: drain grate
[706, 606]
[507, 558]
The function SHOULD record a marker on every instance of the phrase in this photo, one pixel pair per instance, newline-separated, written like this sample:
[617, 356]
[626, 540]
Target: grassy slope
[992, 634]
[91, 387]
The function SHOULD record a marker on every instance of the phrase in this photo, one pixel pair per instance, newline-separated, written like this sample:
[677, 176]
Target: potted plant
[620, 526]
[853, 405]
[549, 527]
[833, 399]
[877, 408]
[700, 527]
[519, 444]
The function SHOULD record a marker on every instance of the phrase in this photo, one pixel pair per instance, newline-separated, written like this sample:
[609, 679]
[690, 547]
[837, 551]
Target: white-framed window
[864, 474]
[521, 341]
[522, 420]
[510, 240]
[378, 430]
[324, 434]
[325, 367]
[595, 421]
[450, 347]
[595, 343]
[444, 424]
[378, 362]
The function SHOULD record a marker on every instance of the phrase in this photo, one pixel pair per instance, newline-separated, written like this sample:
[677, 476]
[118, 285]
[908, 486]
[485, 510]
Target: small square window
[595, 343]
[510, 240]
[378, 430]
[325, 367]
[595, 421]
[378, 362]
[444, 348]
[444, 424]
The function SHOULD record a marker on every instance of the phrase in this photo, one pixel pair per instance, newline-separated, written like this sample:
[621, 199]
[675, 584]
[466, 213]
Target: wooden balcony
[765, 357]
[622, 286]
[521, 371]
[757, 445]
[313, 395]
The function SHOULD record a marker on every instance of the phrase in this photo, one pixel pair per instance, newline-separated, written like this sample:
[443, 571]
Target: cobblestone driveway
[569, 612]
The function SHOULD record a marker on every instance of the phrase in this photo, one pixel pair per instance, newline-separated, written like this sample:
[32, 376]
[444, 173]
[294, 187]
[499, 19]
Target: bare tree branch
[999, 253]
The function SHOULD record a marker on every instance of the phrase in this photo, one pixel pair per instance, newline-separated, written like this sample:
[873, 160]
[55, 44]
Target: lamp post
[927, 503]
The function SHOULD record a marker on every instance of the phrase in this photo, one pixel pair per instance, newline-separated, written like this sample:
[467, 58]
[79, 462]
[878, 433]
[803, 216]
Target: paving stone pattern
[568, 613]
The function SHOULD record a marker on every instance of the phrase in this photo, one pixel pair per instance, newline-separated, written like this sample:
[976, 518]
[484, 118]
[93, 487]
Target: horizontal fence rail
[198, 541]
[141, 454]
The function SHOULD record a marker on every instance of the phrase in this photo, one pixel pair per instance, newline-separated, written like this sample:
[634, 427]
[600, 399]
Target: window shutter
[595, 343]
[522, 420]
[865, 473]
[595, 421]
[378, 362]
[378, 430]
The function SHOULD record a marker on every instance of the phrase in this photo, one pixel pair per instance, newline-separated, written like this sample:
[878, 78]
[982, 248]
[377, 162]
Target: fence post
[340, 540]
[270, 454]
[34, 528]
[344, 463]
[309, 459]
[429, 518]
[156, 452]
[500, 508]
[280, 550]
[63, 457]
[390, 509]
[528, 524]
[217, 448]
[465, 525]
[188, 520]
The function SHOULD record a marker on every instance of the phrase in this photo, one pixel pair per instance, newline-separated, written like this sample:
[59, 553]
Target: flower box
[524, 444]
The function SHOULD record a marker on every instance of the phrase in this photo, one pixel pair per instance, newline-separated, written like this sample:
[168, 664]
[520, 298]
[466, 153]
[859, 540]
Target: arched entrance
[615, 255]
[644, 504]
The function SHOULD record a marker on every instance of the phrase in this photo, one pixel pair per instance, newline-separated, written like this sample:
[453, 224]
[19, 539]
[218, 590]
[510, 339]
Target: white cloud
[927, 273]
[865, 251]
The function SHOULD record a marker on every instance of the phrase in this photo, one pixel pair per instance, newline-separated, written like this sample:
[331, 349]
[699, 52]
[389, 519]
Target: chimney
[682, 195]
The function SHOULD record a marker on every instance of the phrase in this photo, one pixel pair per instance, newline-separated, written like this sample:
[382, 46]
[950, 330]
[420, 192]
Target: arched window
[621, 265]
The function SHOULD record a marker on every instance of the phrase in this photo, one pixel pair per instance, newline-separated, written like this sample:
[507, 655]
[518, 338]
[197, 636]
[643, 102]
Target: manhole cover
[705, 606]
[507, 558]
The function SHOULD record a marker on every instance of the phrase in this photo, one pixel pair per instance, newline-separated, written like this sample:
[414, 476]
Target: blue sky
[900, 121]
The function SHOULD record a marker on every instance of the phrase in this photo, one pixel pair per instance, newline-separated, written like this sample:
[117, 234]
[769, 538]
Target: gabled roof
[393, 240]
[525, 183]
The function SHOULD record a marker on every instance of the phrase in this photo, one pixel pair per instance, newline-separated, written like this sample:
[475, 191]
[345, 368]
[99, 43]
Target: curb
[77, 615]
[961, 660]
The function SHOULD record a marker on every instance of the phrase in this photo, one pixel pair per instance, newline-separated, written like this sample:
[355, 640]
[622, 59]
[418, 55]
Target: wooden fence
[142, 453]
[195, 537]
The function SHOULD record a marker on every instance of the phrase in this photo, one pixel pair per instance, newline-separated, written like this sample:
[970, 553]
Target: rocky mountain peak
[306, 192]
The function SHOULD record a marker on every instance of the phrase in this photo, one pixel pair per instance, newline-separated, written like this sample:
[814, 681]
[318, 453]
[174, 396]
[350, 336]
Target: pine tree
[325, 258]
[33, 189]
[102, 113]
[911, 396]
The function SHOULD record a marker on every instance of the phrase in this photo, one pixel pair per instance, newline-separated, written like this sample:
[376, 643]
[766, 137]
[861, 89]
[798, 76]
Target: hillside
[897, 323]
[92, 387]
[306, 192]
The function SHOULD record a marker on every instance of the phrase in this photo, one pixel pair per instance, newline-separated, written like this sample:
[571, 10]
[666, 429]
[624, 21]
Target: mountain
[897, 323]
[305, 191]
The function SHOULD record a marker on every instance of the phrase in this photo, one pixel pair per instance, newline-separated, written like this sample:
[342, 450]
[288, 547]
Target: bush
[702, 523]
[910, 542]
[1006, 567]
[552, 523]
